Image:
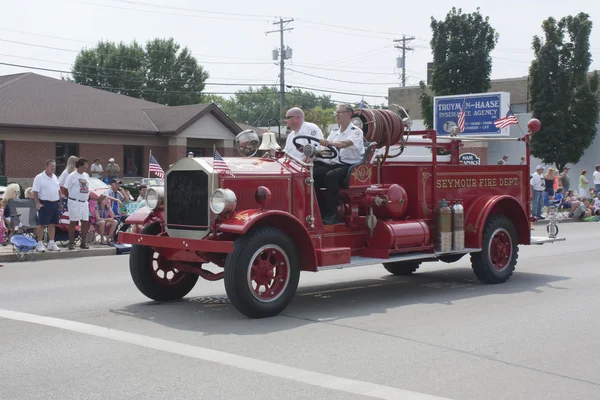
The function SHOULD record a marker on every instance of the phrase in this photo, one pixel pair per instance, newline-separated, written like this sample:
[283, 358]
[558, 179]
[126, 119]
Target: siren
[269, 142]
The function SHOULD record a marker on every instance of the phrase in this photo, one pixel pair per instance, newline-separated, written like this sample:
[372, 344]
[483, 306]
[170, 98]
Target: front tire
[496, 261]
[264, 258]
[402, 268]
[156, 277]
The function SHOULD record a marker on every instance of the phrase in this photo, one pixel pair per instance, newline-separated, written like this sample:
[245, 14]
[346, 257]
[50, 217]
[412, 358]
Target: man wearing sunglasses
[294, 120]
[349, 143]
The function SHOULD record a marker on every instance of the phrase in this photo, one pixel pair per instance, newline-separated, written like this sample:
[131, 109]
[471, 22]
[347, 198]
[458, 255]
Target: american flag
[461, 118]
[220, 165]
[510, 119]
[155, 167]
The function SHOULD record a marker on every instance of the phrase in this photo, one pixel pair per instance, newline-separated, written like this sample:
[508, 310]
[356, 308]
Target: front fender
[144, 216]
[241, 222]
[477, 213]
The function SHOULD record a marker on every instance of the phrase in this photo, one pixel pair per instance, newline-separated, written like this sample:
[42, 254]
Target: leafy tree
[161, 71]
[322, 117]
[258, 106]
[563, 98]
[461, 47]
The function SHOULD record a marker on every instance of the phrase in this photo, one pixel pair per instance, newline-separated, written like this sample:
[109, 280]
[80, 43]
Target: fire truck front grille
[187, 198]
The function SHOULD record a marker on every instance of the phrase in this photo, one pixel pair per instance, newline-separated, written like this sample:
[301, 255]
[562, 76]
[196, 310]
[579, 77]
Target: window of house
[198, 151]
[133, 161]
[63, 152]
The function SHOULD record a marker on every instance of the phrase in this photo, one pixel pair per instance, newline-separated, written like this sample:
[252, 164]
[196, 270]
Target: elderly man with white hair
[294, 120]
[538, 184]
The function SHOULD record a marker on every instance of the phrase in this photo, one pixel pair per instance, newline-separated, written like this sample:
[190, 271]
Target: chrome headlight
[154, 197]
[223, 201]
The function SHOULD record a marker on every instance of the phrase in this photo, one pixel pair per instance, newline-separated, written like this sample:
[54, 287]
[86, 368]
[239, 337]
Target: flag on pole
[220, 165]
[155, 167]
[510, 119]
[461, 117]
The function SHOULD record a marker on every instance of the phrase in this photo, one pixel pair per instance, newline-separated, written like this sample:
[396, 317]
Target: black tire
[483, 267]
[552, 230]
[402, 268]
[451, 258]
[141, 269]
[238, 269]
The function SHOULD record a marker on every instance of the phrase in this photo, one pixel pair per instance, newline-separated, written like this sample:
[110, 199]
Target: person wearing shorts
[77, 187]
[46, 194]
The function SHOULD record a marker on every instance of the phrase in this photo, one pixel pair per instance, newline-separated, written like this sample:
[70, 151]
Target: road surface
[352, 334]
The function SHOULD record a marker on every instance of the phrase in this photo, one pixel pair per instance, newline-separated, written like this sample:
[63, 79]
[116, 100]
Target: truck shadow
[213, 315]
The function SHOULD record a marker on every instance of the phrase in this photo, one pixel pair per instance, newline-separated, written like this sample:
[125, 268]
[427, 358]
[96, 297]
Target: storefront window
[198, 151]
[133, 160]
[63, 152]
[2, 170]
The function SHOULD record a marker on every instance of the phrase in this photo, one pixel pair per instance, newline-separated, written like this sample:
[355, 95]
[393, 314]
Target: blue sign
[480, 112]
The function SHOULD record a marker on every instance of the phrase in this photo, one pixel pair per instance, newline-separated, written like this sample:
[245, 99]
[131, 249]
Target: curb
[64, 253]
[559, 221]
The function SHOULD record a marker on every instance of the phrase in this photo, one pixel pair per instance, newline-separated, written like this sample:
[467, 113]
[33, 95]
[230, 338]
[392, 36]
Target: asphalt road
[438, 333]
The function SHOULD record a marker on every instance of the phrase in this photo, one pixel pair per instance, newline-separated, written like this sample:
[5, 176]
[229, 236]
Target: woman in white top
[68, 169]
[96, 169]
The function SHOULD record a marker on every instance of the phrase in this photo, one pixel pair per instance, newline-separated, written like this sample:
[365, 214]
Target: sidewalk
[6, 253]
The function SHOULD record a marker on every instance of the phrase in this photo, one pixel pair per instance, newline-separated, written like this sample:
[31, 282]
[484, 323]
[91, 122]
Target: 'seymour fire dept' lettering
[477, 182]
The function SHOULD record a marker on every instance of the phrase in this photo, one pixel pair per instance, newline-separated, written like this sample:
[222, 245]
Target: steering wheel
[332, 150]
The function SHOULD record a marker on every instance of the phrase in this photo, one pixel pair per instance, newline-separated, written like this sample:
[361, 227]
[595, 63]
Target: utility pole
[405, 40]
[283, 55]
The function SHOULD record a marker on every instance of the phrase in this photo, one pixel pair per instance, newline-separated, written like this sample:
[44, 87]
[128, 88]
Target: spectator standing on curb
[565, 179]
[539, 186]
[597, 180]
[96, 169]
[70, 167]
[112, 170]
[583, 182]
[46, 194]
[77, 190]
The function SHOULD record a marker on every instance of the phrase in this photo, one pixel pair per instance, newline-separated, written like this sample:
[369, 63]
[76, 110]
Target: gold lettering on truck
[475, 183]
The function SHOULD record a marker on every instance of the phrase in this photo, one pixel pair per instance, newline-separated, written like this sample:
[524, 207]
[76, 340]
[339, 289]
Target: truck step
[334, 256]
[359, 261]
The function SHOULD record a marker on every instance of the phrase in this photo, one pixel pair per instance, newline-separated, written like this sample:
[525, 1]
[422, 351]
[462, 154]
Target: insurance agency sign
[480, 113]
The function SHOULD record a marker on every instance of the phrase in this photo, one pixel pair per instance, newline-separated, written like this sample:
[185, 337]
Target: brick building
[45, 118]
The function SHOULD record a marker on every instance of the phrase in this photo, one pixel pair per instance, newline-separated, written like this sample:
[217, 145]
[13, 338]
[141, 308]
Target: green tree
[563, 97]
[461, 47]
[258, 106]
[161, 71]
[322, 117]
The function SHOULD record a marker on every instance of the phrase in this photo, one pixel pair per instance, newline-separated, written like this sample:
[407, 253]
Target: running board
[358, 261]
[543, 240]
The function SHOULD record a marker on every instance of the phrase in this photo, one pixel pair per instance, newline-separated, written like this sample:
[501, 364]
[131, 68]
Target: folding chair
[24, 215]
[23, 246]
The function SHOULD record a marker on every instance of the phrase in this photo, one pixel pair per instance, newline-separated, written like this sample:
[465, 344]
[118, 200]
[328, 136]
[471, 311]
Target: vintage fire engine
[261, 224]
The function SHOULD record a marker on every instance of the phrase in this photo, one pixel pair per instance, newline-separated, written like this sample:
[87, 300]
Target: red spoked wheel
[165, 271]
[500, 249]
[262, 273]
[269, 274]
[156, 277]
[498, 258]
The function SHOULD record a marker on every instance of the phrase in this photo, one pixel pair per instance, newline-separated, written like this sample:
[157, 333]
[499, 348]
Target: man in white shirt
[46, 194]
[77, 188]
[538, 184]
[294, 120]
[349, 143]
[596, 177]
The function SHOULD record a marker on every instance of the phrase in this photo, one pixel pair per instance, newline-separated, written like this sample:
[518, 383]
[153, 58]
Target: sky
[343, 46]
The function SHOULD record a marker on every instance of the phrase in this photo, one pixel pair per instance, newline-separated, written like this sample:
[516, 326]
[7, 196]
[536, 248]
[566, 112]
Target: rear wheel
[498, 258]
[402, 268]
[262, 273]
[155, 276]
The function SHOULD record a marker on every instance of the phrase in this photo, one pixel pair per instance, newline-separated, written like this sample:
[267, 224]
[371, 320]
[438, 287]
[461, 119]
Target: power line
[47, 36]
[351, 28]
[283, 55]
[308, 66]
[336, 92]
[166, 13]
[126, 80]
[339, 80]
[192, 9]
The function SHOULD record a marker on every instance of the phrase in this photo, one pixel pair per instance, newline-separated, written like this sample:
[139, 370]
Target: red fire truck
[261, 225]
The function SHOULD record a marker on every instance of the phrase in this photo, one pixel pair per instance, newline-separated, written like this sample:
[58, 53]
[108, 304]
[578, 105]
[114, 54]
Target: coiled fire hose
[383, 127]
